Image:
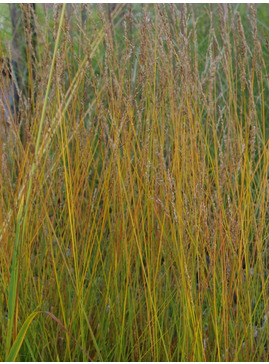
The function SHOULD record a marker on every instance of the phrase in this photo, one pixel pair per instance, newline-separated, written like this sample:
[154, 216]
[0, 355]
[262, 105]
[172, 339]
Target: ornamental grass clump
[134, 189]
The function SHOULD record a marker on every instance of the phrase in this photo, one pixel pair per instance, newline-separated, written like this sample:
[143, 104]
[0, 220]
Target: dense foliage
[134, 184]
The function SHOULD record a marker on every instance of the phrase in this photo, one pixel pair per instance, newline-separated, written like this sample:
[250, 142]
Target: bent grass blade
[15, 258]
[23, 331]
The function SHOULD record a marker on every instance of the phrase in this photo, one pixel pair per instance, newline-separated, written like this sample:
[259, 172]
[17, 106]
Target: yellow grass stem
[14, 281]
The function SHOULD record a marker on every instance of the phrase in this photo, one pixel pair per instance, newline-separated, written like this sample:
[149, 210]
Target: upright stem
[14, 278]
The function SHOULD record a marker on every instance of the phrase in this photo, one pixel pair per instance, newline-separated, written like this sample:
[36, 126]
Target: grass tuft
[134, 194]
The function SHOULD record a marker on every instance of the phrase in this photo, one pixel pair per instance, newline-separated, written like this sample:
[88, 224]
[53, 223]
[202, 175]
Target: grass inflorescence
[134, 191]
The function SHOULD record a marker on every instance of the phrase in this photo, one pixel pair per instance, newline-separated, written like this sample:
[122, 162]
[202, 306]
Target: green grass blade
[21, 335]
[12, 294]
[15, 259]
